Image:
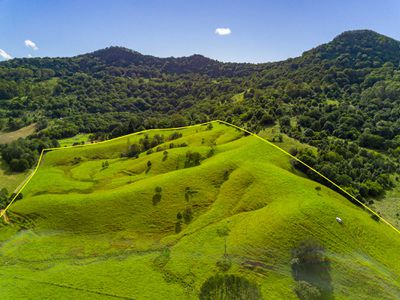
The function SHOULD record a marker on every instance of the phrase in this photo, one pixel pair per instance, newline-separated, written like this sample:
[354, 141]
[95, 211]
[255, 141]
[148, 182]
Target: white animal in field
[339, 220]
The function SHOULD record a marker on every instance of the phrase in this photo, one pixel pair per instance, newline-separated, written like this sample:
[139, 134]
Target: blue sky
[260, 31]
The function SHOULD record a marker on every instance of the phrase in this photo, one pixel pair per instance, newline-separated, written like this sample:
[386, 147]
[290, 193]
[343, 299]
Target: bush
[293, 151]
[188, 215]
[192, 159]
[174, 136]
[19, 165]
[224, 263]
[134, 150]
[306, 291]
[156, 199]
[229, 287]
[178, 226]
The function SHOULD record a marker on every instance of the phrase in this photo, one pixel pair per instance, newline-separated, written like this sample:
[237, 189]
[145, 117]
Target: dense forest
[342, 97]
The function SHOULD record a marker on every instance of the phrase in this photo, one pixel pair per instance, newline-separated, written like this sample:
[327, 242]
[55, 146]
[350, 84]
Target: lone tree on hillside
[134, 150]
[157, 196]
[224, 232]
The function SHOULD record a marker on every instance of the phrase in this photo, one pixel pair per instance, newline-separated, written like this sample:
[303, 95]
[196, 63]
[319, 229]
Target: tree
[19, 165]
[224, 233]
[372, 141]
[134, 150]
[192, 159]
[284, 123]
[3, 198]
[178, 120]
[306, 291]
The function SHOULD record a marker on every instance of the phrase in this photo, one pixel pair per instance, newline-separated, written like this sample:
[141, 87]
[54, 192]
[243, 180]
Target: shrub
[192, 159]
[161, 260]
[224, 263]
[229, 287]
[19, 165]
[210, 152]
[174, 136]
[178, 226]
[293, 151]
[134, 150]
[375, 217]
[188, 215]
[306, 291]
[156, 199]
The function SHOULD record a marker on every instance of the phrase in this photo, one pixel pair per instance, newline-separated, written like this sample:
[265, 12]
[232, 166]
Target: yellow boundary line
[190, 126]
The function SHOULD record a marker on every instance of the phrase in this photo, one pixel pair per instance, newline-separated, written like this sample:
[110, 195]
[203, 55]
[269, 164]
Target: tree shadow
[311, 266]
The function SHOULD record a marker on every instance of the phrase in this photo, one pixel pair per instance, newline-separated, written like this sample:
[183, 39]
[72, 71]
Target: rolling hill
[185, 214]
[341, 97]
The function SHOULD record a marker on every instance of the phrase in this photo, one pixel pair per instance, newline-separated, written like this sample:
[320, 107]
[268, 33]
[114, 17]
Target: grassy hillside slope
[137, 230]
[8, 137]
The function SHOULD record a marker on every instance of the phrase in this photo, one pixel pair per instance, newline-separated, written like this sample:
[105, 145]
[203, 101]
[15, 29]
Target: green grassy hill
[95, 224]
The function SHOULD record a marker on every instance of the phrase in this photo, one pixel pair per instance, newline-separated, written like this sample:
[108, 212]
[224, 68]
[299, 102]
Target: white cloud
[4, 54]
[31, 44]
[223, 31]
[29, 55]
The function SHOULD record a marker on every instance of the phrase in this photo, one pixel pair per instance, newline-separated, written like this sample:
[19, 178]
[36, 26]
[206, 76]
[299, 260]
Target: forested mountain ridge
[342, 97]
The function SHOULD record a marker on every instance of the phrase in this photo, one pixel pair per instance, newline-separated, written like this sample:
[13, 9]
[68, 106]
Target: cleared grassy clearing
[8, 137]
[389, 205]
[79, 138]
[86, 226]
[11, 180]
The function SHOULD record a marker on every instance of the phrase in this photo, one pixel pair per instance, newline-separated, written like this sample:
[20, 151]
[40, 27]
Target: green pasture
[83, 230]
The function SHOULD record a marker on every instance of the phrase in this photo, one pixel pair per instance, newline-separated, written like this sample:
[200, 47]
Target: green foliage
[3, 198]
[363, 172]
[192, 159]
[23, 153]
[134, 150]
[157, 196]
[306, 291]
[224, 263]
[187, 215]
[161, 260]
[226, 287]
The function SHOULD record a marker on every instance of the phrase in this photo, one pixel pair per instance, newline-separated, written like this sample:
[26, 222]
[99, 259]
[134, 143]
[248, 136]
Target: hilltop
[146, 216]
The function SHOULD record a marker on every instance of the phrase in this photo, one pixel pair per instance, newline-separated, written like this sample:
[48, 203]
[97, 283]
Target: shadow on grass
[311, 270]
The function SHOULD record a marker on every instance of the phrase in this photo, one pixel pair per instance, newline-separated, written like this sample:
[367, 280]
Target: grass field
[8, 137]
[389, 204]
[79, 138]
[89, 231]
[11, 180]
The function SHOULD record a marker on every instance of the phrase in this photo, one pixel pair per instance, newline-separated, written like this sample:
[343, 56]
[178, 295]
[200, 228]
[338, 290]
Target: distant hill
[204, 212]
